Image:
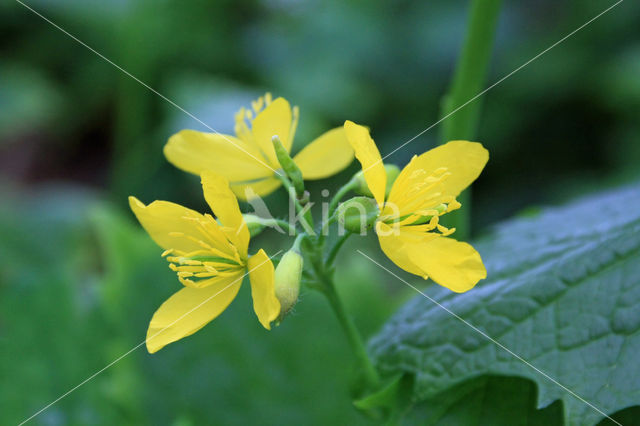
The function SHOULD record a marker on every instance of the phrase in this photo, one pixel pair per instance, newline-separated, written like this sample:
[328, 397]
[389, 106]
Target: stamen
[257, 104]
[187, 282]
[220, 235]
[206, 274]
[446, 231]
[192, 262]
[429, 213]
[241, 128]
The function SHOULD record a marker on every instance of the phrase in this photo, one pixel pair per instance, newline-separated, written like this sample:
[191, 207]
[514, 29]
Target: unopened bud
[392, 173]
[254, 223]
[287, 280]
[288, 165]
[358, 214]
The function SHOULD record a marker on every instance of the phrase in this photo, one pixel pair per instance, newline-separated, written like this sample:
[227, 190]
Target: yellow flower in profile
[248, 159]
[408, 225]
[210, 257]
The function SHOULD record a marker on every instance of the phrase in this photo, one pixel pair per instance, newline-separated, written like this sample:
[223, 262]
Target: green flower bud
[287, 280]
[392, 173]
[254, 223]
[358, 213]
[288, 165]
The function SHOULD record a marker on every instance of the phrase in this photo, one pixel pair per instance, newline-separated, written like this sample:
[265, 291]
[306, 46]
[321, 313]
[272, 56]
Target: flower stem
[306, 219]
[470, 76]
[323, 272]
[340, 195]
[333, 204]
[333, 252]
[370, 373]
[273, 223]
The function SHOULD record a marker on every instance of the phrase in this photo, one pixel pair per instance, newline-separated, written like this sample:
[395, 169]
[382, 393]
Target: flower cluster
[210, 253]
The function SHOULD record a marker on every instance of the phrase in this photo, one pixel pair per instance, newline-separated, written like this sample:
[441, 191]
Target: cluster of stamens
[195, 268]
[426, 202]
[245, 116]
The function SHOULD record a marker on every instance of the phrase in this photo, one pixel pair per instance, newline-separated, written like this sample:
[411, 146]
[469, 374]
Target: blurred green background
[79, 280]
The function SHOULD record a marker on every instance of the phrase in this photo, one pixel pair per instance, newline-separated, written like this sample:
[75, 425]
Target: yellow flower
[407, 225]
[210, 258]
[248, 159]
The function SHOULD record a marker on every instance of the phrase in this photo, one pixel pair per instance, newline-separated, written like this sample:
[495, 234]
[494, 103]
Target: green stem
[325, 229]
[333, 252]
[468, 80]
[353, 336]
[340, 195]
[272, 223]
[307, 219]
[324, 282]
[333, 204]
[298, 242]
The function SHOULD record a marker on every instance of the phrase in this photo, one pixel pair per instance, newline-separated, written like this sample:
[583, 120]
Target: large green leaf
[563, 292]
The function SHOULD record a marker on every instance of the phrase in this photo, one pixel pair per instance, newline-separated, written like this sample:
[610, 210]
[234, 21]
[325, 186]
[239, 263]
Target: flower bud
[288, 165]
[392, 173]
[287, 280]
[358, 214]
[254, 223]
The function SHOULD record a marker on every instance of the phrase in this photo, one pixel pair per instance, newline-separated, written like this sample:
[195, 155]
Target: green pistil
[422, 219]
[215, 259]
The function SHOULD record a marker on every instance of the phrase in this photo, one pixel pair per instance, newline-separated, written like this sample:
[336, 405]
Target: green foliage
[563, 292]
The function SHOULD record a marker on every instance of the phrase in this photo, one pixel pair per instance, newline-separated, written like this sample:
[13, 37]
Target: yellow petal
[369, 156]
[464, 160]
[163, 221]
[261, 274]
[325, 156]
[246, 191]
[416, 189]
[188, 310]
[228, 156]
[450, 263]
[394, 243]
[273, 120]
[224, 205]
